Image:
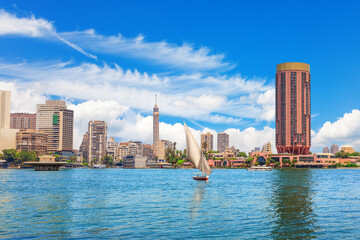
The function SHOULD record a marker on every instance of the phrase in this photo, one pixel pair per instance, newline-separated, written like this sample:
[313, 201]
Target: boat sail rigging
[196, 156]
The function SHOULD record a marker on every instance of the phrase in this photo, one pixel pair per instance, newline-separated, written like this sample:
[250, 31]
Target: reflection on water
[197, 198]
[293, 205]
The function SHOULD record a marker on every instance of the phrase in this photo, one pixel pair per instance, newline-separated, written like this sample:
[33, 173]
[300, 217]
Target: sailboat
[196, 156]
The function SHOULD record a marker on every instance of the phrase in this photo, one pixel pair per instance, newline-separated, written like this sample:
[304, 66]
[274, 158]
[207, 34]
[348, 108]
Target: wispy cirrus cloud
[172, 55]
[183, 56]
[33, 27]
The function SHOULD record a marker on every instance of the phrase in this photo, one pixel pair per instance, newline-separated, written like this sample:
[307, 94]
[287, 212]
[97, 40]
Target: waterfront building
[164, 145]
[267, 148]
[326, 150]
[7, 135]
[347, 149]
[293, 108]
[57, 121]
[334, 148]
[137, 161]
[97, 140]
[207, 142]
[148, 151]
[84, 147]
[156, 127]
[23, 121]
[122, 150]
[222, 142]
[31, 140]
[111, 148]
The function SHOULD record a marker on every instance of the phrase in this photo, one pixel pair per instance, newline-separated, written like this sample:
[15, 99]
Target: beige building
[267, 148]
[163, 145]
[5, 109]
[84, 147]
[347, 149]
[54, 119]
[222, 142]
[23, 121]
[31, 140]
[97, 140]
[111, 148]
[207, 142]
[122, 150]
[7, 135]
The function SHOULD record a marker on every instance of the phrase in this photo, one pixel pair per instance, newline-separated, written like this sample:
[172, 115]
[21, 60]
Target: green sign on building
[55, 119]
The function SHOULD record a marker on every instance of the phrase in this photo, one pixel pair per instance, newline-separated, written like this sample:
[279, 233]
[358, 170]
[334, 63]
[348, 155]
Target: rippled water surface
[168, 204]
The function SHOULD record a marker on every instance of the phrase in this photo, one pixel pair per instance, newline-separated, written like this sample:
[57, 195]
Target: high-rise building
[293, 108]
[163, 146]
[207, 142]
[326, 150]
[57, 121]
[156, 127]
[267, 148]
[7, 135]
[334, 148]
[31, 140]
[84, 147]
[222, 142]
[111, 148]
[23, 121]
[4, 109]
[148, 150]
[123, 150]
[97, 140]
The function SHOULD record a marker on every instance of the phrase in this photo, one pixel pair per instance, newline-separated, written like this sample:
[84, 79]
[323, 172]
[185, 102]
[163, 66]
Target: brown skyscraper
[293, 108]
[156, 127]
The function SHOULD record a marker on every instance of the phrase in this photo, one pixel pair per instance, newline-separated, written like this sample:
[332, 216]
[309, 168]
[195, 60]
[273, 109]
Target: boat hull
[254, 168]
[201, 178]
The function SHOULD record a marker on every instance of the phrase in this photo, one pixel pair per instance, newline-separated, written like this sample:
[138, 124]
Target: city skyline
[208, 83]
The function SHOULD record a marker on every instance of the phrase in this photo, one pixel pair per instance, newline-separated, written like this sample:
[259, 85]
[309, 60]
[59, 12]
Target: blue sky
[212, 63]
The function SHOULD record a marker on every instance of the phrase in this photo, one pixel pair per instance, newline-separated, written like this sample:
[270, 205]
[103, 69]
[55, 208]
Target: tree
[73, 158]
[107, 160]
[249, 160]
[10, 155]
[1, 156]
[342, 154]
[242, 154]
[25, 156]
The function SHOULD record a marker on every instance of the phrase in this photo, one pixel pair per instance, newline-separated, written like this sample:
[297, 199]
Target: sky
[211, 63]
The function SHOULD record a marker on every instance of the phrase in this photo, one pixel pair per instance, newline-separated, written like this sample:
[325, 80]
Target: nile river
[168, 204]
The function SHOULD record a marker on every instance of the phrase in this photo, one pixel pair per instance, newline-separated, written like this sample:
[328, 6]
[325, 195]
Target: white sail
[194, 153]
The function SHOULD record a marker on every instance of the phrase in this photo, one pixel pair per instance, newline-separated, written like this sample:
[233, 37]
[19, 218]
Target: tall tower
[293, 108]
[156, 127]
[57, 121]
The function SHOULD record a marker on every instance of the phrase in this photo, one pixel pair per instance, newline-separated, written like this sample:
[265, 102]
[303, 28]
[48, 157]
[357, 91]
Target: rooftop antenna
[155, 98]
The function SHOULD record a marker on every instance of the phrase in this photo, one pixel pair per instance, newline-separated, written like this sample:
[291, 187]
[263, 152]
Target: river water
[168, 204]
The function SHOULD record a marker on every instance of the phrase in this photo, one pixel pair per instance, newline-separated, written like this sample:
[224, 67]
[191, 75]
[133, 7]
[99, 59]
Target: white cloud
[182, 56]
[346, 130]
[32, 27]
[249, 138]
[205, 102]
[23, 100]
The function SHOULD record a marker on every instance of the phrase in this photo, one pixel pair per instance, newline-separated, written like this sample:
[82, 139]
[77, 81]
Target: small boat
[99, 166]
[196, 156]
[259, 168]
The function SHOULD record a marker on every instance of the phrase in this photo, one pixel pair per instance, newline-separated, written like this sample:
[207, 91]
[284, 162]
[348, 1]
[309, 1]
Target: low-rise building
[31, 140]
[347, 149]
